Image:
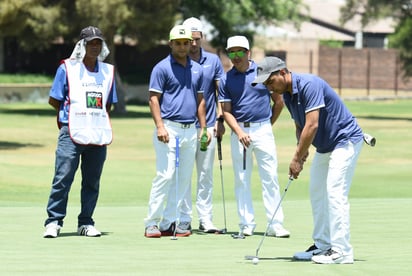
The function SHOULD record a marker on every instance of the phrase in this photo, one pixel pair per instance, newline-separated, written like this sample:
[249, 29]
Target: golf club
[255, 258]
[219, 153]
[369, 139]
[177, 186]
[244, 158]
[240, 234]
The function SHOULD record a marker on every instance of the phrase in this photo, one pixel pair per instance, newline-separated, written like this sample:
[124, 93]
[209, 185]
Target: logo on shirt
[94, 100]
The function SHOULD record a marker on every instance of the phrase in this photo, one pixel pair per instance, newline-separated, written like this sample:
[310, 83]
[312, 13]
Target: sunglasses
[240, 54]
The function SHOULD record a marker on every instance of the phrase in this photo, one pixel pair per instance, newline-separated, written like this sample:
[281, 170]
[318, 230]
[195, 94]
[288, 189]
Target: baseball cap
[90, 33]
[194, 24]
[237, 41]
[267, 67]
[180, 32]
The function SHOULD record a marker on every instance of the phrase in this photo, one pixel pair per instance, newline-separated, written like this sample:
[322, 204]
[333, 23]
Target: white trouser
[204, 193]
[166, 194]
[330, 181]
[264, 147]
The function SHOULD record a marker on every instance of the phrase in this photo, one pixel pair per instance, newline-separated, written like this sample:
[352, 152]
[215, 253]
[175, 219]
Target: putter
[219, 153]
[369, 139]
[177, 185]
[256, 257]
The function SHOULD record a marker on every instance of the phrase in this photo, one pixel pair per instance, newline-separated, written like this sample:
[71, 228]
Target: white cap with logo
[237, 41]
[180, 32]
[194, 24]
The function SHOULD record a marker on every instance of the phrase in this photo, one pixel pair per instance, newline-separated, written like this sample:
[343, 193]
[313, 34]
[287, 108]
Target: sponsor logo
[94, 100]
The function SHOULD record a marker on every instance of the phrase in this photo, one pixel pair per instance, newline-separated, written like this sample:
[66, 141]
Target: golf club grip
[244, 158]
[177, 151]
[219, 147]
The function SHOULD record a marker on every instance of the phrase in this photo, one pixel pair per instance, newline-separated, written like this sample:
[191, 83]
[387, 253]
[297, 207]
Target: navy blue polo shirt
[249, 103]
[212, 71]
[336, 124]
[179, 87]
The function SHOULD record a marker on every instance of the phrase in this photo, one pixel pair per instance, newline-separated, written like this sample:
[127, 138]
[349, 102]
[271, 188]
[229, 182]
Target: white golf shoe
[307, 255]
[247, 231]
[332, 257]
[52, 230]
[278, 231]
[208, 227]
[88, 231]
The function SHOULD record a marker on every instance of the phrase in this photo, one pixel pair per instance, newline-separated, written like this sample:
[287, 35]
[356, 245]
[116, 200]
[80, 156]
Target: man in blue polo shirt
[321, 119]
[176, 101]
[248, 112]
[212, 72]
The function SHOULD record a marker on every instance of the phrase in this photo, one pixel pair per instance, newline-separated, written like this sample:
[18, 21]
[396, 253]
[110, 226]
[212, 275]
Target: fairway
[381, 204]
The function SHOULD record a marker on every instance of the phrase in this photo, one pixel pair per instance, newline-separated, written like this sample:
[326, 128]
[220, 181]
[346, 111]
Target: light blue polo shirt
[249, 103]
[212, 71]
[336, 124]
[59, 91]
[179, 87]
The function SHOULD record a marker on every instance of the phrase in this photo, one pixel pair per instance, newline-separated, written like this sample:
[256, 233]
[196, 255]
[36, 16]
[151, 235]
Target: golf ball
[255, 261]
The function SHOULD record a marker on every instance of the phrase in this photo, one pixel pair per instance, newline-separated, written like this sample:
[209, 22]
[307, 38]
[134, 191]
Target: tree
[400, 10]
[36, 23]
[232, 17]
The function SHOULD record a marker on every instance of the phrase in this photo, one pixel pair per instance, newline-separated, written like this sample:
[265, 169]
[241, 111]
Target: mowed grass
[381, 204]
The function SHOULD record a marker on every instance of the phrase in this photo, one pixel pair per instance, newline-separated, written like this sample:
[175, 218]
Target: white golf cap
[194, 24]
[237, 41]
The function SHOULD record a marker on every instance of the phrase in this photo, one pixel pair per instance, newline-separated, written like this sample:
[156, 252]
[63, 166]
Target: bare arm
[201, 113]
[277, 107]
[219, 129]
[233, 124]
[154, 104]
[305, 139]
[55, 103]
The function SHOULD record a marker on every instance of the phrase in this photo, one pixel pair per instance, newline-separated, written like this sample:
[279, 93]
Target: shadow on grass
[30, 111]
[52, 113]
[4, 145]
[384, 118]
[74, 234]
[130, 115]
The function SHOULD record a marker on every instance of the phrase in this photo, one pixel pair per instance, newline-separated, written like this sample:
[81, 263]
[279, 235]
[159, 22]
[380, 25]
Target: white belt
[253, 124]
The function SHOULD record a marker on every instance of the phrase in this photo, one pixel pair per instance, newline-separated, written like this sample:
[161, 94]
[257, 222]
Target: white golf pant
[166, 194]
[204, 192]
[330, 181]
[264, 148]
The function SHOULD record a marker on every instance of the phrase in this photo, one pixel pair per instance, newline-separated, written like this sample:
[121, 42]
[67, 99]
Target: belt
[253, 124]
[176, 124]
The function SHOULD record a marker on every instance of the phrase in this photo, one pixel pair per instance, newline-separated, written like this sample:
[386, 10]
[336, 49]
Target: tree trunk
[120, 107]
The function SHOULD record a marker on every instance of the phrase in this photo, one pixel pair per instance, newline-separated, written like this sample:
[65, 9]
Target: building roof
[325, 24]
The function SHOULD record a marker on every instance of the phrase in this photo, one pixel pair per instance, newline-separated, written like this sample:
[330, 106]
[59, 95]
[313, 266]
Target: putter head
[173, 238]
[222, 231]
[250, 258]
[238, 236]
[219, 231]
